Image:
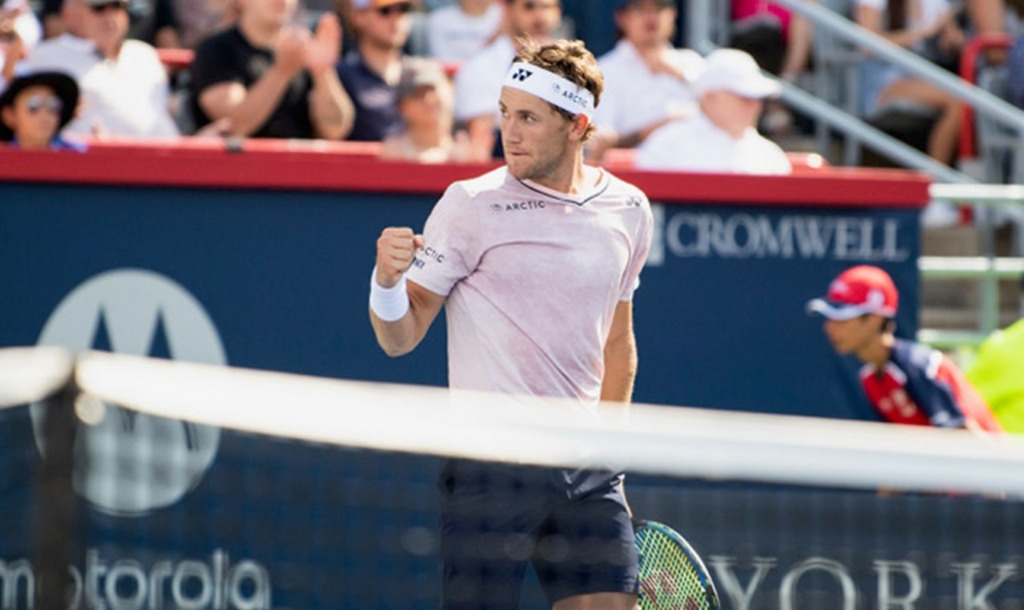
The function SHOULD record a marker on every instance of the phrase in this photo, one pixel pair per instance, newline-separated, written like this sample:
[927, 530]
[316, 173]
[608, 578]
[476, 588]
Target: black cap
[62, 85]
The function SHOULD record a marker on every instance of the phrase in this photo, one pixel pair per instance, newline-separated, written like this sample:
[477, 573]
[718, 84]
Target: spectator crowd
[423, 77]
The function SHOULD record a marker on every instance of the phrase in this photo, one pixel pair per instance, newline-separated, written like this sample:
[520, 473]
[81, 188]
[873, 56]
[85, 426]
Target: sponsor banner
[720, 314]
[757, 234]
[292, 525]
[783, 548]
[267, 524]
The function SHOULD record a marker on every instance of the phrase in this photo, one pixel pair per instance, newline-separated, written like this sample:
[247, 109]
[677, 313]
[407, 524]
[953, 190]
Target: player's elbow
[394, 351]
[394, 344]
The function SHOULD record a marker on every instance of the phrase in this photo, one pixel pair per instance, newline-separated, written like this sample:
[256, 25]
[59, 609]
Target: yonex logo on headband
[550, 87]
[522, 74]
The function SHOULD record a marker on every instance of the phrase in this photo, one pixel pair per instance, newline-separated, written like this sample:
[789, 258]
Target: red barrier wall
[353, 166]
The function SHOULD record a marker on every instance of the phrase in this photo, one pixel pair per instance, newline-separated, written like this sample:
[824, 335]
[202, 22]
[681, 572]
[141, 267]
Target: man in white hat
[722, 137]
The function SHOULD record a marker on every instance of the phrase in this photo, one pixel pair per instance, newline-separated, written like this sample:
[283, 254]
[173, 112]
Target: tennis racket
[672, 576]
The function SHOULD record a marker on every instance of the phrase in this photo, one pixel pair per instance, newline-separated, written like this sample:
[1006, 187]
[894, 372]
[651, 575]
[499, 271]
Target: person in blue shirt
[35, 108]
[372, 70]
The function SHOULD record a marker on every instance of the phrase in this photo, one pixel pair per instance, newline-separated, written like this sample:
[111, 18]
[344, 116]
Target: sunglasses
[101, 8]
[35, 103]
[394, 9]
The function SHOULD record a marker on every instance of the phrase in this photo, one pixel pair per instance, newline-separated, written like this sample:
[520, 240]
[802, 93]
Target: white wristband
[390, 304]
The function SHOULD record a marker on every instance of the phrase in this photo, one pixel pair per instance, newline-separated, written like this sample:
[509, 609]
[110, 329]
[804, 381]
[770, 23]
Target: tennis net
[179, 485]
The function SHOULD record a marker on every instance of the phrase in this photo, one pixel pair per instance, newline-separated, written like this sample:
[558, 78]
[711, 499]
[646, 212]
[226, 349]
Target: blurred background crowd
[422, 76]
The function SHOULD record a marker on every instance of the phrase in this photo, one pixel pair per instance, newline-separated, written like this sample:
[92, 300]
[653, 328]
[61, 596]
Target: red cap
[857, 291]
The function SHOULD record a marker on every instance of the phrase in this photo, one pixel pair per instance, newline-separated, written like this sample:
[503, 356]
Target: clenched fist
[396, 248]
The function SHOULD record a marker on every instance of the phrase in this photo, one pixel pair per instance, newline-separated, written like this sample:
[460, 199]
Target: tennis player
[907, 382]
[536, 264]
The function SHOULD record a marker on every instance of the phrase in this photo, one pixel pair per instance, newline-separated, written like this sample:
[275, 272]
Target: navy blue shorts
[573, 527]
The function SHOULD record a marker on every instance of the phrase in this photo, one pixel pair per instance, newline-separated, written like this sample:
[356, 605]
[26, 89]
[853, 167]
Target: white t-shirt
[533, 278]
[634, 98]
[697, 145]
[127, 97]
[453, 35]
[478, 81]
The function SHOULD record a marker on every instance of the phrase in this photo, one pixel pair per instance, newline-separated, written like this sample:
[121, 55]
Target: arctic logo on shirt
[426, 254]
[519, 206]
[522, 74]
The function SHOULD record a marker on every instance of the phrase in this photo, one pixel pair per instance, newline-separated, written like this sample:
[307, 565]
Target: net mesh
[205, 487]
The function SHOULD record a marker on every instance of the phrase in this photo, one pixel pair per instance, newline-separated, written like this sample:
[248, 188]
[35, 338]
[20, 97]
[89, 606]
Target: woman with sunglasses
[34, 109]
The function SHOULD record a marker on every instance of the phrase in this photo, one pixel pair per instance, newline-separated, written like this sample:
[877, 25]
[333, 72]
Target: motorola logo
[136, 462]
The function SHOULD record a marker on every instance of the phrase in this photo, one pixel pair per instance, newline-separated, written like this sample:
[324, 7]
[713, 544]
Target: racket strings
[668, 578]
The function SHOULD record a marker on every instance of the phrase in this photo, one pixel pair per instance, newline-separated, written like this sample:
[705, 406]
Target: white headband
[550, 87]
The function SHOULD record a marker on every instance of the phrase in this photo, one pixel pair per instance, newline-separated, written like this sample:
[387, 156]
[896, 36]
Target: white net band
[655, 439]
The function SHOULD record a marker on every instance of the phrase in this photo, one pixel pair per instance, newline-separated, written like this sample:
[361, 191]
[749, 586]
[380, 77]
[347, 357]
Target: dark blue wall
[283, 277]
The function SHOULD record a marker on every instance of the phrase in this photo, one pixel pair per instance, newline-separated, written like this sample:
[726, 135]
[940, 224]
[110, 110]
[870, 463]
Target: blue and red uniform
[920, 385]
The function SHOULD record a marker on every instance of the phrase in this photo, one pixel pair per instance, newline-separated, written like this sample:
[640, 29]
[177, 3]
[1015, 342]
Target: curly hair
[569, 59]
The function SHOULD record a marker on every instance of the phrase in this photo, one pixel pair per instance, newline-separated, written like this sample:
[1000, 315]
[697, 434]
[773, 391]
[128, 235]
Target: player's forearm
[330, 107]
[620, 357]
[620, 362]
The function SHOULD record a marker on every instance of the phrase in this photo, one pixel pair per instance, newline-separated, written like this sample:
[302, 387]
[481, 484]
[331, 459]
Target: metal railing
[988, 269]
[708, 29]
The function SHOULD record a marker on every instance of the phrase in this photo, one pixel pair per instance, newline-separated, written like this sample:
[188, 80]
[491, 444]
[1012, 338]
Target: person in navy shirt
[907, 382]
[372, 70]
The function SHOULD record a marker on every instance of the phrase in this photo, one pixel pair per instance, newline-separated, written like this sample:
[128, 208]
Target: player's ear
[580, 123]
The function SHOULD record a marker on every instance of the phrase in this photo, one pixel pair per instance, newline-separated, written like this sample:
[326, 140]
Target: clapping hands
[298, 49]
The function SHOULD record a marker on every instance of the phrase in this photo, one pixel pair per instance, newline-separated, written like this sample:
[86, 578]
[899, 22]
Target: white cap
[734, 71]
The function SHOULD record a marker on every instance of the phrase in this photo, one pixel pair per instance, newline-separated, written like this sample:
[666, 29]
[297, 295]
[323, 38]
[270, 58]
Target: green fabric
[998, 374]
